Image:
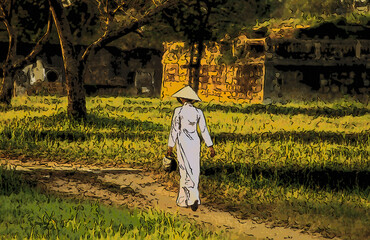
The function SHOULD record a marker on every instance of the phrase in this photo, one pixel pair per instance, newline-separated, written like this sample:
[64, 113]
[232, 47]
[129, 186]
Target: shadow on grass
[75, 136]
[295, 136]
[289, 110]
[92, 121]
[146, 131]
[90, 128]
[5, 108]
[135, 129]
[106, 122]
[310, 177]
[12, 181]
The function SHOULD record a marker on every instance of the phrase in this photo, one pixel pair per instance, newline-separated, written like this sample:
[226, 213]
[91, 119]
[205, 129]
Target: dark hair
[187, 100]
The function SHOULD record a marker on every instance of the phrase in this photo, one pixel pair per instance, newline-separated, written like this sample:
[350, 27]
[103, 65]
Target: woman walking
[184, 135]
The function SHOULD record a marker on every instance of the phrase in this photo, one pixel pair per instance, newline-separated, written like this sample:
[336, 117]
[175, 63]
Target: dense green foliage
[27, 214]
[30, 18]
[299, 164]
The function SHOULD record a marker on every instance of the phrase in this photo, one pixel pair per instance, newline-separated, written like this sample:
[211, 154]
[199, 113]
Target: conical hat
[188, 93]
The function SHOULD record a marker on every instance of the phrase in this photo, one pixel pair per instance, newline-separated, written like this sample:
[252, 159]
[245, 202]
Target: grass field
[26, 213]
[303, 165]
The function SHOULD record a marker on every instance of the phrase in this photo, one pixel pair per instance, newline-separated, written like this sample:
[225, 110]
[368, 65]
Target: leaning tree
[117, 18]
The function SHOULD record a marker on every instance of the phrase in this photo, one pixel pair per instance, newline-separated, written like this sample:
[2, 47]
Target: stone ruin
[241, 80]
[315, 63]
[323, 66]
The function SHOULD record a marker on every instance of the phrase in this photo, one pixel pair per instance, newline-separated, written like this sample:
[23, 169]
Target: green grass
[302, 164]
[25, 213]
[305, 18]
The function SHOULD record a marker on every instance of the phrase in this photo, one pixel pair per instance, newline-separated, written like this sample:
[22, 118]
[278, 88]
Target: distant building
[327, 61]
[110, 72]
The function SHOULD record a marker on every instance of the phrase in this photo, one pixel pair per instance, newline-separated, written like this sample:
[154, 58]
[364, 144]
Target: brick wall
[239, 81]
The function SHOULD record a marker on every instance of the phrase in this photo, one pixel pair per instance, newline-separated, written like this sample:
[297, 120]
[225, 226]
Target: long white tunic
[185, 136]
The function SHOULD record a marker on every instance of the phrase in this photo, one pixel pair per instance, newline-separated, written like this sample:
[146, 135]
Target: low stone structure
[279, 69]
[238, 81]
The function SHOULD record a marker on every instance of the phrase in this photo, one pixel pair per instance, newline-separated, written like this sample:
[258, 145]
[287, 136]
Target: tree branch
[2, 11]
[111, 35]
[6, 7]
[115, 10]
[63, 28]
[10, 9]
[12, 42]
[38, 46]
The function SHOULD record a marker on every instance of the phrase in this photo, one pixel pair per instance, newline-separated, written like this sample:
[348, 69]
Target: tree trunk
[7, 82]
[200, 39]
[73, 69]
[198, 66]
[74, 66]
[7, 85]
[6, 92]
[191, 64]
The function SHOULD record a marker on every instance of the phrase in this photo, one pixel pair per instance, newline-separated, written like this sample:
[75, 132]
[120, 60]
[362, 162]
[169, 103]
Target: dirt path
[137, 188]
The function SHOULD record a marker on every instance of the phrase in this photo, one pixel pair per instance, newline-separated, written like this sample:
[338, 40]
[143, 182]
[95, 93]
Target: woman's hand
[169, 151]
[212, 151]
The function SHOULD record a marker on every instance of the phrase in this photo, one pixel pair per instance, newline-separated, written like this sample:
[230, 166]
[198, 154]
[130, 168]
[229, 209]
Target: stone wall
[240, 79]
[327, 68]
[327, 62]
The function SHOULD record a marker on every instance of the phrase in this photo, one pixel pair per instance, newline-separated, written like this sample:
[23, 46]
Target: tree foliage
[299, 8]
[29, 18]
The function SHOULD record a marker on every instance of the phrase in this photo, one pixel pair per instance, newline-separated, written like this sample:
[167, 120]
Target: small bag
[169, 164]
